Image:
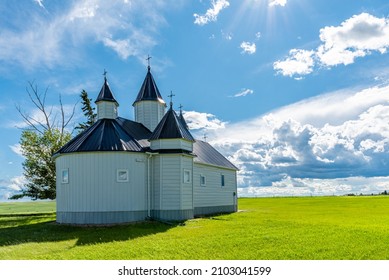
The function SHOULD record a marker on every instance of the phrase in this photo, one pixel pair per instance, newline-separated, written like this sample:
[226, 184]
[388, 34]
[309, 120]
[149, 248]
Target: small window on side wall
[222, 180]
[122, 175]
[65, 176]
[203, 181]
[187, 176]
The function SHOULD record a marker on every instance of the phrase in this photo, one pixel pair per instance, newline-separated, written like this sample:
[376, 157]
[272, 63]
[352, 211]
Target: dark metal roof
[109, 135]
[209, 155]
[170, 127]
[182, 120]
[149, 90]
[106, 93]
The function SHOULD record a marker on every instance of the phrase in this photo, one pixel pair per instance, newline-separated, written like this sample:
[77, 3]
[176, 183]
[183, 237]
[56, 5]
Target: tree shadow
[43, 228]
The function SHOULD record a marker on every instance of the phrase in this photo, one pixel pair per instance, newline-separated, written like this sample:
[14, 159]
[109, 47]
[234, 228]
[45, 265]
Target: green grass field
[265, 228]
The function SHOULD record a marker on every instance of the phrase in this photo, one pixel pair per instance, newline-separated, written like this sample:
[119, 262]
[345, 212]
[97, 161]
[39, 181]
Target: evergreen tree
[89, 112]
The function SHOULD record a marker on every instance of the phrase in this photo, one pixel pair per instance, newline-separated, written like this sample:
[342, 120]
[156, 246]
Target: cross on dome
[171, 98]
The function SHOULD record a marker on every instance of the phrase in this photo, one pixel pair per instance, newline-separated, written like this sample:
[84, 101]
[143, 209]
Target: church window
[187, 176]
[65, 176]
[203, 180]
[222, 180]
[122, 175]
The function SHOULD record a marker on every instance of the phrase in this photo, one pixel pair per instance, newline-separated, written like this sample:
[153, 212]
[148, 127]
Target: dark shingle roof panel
[105, 93]
[171, 127]
[207, 154]
[149, 90]
[108, 135]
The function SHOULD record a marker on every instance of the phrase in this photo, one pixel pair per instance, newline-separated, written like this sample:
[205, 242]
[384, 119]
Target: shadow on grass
[43, 228]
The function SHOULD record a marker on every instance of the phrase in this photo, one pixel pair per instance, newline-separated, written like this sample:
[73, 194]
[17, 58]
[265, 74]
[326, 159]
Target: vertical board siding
[93, 186]
[213, 194]
[106, 110]
[149, 113]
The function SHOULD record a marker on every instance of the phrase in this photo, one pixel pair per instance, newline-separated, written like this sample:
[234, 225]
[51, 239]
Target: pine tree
[89, 112]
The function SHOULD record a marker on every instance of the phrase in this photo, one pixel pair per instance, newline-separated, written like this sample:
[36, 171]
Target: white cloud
[202, 121]
[356, 37]
[299, 62]
[40, 3]
[49, 41]
[212, 13]
[339, 135]
[17, 149]
[247, 47]
[319, 187]
[9, 187]
[277, 2]
[244, 92]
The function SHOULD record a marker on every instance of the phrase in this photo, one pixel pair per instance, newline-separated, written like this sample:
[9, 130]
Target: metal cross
[171, 96]
[105, 74]
[180, 107]
[205, 137]
[148, 60]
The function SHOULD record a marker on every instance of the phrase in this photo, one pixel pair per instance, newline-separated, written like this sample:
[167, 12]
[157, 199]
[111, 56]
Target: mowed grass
[265, 228]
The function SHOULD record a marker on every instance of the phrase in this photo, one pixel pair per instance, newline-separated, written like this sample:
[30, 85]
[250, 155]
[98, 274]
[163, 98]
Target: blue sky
[294, 92]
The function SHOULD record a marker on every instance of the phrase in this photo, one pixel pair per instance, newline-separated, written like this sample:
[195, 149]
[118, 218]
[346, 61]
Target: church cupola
[149, 106]
[106, 103]
[171, 134]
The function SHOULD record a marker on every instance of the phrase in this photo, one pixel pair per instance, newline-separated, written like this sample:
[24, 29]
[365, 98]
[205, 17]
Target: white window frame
[187, 179]
[119, 175]
[201, 181]
[65, 176]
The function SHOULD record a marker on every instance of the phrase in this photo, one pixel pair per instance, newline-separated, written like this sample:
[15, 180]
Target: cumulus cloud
[202, 121]
[318, 187]
[11, 187]
[212, 13]
[308, 142]
[277, 2]
[247, 47]
[244, 92]
[357, 36]
[299, 62]
[56, 39]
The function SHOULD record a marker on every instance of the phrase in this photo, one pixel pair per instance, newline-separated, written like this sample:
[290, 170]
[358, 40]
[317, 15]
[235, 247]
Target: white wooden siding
[170, 191]
[213, 194]
[93, 186]
[106, 110]
[149, 113]
[168, 144]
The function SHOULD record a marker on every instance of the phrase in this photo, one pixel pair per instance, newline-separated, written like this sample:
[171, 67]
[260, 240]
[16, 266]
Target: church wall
[212, 197]
[172, 197]
[149, 113]
[106, 110]
[93, 193]
[170, 144]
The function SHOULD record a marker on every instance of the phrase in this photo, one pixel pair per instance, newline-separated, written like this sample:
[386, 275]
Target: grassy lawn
[265, 228]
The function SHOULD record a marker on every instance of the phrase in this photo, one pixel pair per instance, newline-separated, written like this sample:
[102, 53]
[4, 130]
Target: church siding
[106, 110]
[171, 144]
[213, 193]
[93, 185]
[149, 113]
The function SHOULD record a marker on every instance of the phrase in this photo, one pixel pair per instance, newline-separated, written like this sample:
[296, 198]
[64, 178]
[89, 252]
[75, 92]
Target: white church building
[120, 171]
